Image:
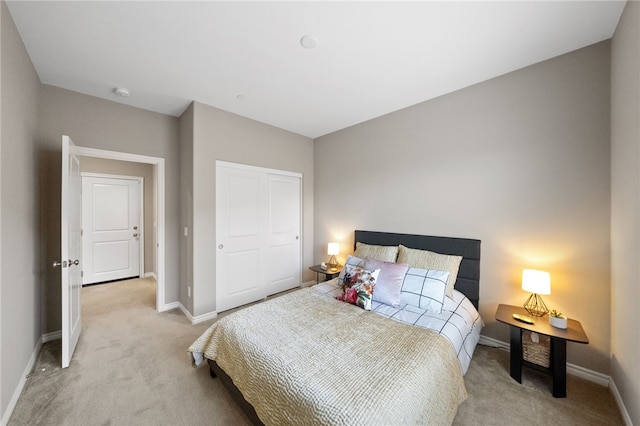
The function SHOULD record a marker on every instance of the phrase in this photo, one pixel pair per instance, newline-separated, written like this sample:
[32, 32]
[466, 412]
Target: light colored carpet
[131, 367]
[496, 399]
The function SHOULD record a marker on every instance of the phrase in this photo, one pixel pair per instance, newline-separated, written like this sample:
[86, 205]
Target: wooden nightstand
[329, 273]
[558, 350]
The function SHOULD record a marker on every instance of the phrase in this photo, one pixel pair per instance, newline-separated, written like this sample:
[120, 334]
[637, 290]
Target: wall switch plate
[189, 291]
[186, 231]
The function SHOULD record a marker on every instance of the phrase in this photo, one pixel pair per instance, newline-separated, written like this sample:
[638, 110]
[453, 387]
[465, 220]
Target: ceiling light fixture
[309, 41]
[121, 91]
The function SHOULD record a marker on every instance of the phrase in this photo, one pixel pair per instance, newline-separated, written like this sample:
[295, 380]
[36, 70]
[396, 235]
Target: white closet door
[240, 255]
[283, 233]
[257, 233]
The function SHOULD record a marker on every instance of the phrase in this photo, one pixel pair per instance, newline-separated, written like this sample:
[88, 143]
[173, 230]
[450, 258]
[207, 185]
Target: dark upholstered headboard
[468, 282]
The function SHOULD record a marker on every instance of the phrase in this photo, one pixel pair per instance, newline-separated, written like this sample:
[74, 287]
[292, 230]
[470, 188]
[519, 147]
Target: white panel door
[283, 233]
[240, 221]
[71, 250]
[112, 228]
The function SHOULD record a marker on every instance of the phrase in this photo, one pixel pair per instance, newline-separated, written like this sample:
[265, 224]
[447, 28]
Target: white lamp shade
[333, 249]
[538, 282]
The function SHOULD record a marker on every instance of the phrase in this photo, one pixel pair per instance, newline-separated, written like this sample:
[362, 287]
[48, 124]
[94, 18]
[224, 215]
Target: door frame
[141, 222]
[159, 174]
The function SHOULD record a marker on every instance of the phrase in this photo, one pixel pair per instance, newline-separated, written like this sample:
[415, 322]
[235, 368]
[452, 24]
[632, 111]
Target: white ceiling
[372, 58]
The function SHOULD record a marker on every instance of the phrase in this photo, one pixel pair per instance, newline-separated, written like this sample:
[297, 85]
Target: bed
[308, 358]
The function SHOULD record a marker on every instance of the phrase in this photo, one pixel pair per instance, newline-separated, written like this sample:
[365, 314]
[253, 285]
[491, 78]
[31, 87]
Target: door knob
[135, 227]
[220, 246]
[74, 262]
[57, 264]
[135, 234]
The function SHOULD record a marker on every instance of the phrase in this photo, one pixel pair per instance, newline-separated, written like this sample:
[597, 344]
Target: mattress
[459, 321]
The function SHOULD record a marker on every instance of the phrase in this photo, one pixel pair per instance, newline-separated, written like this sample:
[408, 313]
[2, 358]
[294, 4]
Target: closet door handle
[220, 246]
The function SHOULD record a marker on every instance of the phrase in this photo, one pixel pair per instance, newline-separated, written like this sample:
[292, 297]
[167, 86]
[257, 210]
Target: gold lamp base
[333, 263]
[535, 306]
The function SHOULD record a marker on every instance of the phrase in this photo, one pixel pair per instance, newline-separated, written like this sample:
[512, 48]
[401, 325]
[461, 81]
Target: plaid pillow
[424, 288]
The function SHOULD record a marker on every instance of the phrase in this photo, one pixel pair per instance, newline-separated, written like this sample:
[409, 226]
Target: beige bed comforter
[305, 358]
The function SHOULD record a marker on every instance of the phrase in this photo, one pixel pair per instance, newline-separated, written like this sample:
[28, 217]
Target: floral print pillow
[357, 286]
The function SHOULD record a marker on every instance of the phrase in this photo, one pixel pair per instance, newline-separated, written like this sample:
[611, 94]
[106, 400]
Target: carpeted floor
[131, 367]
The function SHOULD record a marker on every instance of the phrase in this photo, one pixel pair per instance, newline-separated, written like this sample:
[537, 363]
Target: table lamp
[536, 283]
[333, 249]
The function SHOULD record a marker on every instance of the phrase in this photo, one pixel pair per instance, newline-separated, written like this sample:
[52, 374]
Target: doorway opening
[157, 228]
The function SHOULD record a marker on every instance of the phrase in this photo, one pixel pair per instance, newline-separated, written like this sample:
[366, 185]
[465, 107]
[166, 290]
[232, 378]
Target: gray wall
[101, 124]
[220, 135]
[520, 162]
[21, 263]
[127, 168]
[625, 208]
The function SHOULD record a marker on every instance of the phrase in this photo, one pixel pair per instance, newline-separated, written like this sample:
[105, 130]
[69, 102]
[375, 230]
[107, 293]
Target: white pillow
[431, 260]
[424, 288]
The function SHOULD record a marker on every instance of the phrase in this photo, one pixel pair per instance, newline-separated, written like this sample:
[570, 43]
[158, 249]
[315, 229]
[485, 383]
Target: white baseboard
[489, 341]
[194, 319]
[169, 306]
[576, 370]
[54, 335]
[618, 398]
[150, 274]
[590, 375]
[198, 318]
[23, 381]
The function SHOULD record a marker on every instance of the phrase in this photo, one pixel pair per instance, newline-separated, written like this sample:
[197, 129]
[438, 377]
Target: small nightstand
[558, 350]
[329, 273]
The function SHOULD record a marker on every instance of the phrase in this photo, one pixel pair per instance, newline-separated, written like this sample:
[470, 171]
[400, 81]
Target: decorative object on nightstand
[327, 272]
[536, 283]
[557, 320]
[333, 249]
[536, 348]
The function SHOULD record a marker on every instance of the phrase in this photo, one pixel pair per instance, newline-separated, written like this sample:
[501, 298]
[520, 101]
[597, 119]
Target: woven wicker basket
[537, 353]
